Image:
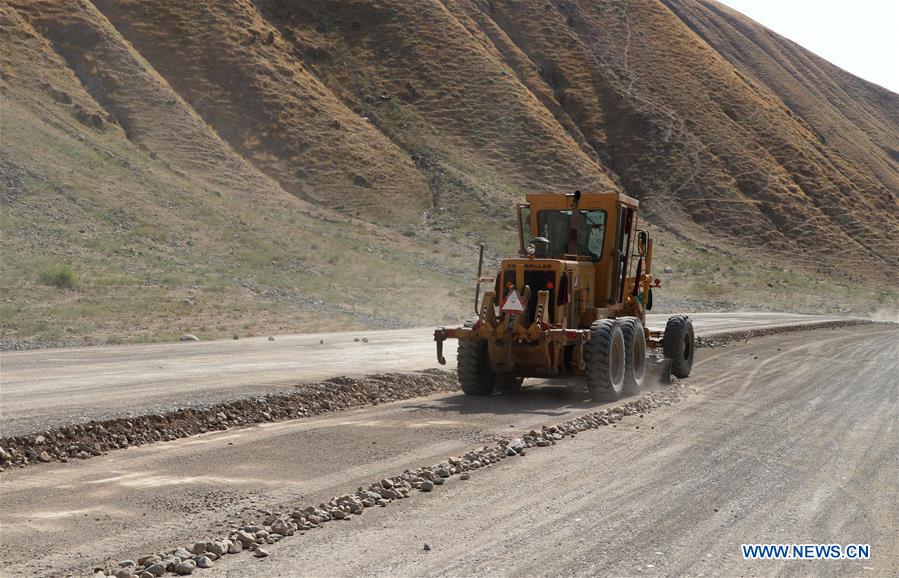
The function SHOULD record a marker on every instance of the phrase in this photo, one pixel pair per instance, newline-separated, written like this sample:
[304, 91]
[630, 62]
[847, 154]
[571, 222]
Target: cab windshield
[555, 226]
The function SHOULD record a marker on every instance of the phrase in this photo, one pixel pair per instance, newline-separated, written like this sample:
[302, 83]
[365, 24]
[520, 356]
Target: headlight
[530, 249]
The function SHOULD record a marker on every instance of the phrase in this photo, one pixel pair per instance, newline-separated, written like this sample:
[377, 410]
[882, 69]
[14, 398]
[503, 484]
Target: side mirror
[642, 243]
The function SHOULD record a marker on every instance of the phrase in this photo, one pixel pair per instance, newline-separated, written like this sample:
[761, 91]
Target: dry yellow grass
[289, 165]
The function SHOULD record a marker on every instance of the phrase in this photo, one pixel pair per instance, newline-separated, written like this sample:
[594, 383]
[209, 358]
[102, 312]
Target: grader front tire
[679, 344]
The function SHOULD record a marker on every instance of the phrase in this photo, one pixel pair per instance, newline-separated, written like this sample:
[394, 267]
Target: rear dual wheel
[634, 354]
[616, 358]
[604, 356]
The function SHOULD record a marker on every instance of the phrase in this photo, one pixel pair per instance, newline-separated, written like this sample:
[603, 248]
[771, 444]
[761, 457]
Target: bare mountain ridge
[419, 124]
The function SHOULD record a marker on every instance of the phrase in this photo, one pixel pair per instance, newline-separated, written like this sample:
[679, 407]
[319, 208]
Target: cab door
[621, 257]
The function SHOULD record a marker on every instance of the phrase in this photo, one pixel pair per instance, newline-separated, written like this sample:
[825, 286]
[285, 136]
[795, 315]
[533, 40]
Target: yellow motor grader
[573, 304]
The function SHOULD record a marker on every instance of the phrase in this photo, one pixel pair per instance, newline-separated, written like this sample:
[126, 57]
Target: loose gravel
[276, 526]
[719, 339]
[83, 441]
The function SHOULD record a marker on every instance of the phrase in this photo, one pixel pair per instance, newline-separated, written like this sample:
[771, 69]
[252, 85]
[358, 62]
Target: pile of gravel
[12, 345]
[720, 339]
[94, 438]
[276, 526]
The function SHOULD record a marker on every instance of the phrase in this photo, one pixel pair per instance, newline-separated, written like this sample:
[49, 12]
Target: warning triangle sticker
[513, 303]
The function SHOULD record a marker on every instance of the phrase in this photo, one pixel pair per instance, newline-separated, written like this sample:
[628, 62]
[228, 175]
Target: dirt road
[789, 438]
[47, 388]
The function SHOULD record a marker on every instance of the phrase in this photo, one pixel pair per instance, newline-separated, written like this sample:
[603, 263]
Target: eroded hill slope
[289, 164]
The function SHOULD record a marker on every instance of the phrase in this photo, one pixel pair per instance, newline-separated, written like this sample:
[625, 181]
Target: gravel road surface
[788, 438]
[42, 389]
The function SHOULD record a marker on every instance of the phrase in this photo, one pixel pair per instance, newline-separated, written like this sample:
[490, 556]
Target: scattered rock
[245, 537]
[260, 553]
[465, 476]
[426, 486]
[365, 340]
[281, 526]
[44, 457]
[203, 562]
[427, 547]
[216, 548]
[148, 560]
[189, 337]
[157, 569]
[185, 567]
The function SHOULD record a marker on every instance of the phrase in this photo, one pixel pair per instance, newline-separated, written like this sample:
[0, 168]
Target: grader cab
[573, 304]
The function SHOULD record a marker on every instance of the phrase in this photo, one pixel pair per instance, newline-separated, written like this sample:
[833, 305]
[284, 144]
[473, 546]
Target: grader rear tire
[678, 344]
[634, 354]
[604, 354]
[473, 367]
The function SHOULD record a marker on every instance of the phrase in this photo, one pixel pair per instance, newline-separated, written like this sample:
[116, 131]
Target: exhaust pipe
[477, 289]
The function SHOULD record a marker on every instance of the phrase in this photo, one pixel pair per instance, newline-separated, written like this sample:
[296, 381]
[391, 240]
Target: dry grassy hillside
[843, 111]
[281, 165]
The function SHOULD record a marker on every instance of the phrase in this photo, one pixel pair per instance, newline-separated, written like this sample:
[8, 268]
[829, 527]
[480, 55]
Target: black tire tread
[598, 359]
[676, 329]
[469, 367]
[630, 327]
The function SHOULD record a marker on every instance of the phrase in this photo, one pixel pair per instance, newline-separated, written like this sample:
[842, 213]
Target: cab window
[555, 226]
